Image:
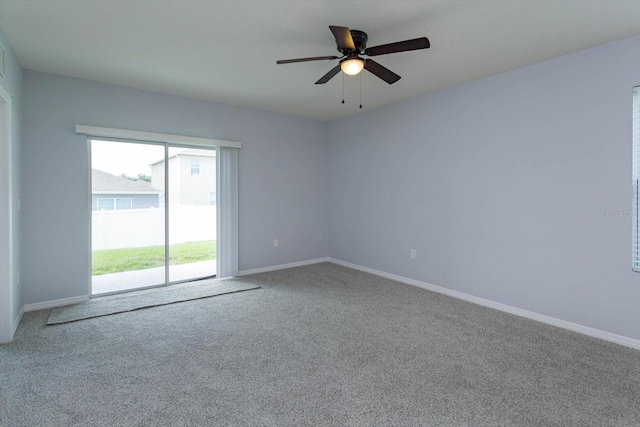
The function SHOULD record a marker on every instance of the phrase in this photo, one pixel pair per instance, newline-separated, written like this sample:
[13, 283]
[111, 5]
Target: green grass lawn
[118, 260]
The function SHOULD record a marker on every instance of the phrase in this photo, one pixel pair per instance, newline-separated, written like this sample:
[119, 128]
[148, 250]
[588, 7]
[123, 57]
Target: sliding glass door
[153, 215]
[192, 214]
[127, 217]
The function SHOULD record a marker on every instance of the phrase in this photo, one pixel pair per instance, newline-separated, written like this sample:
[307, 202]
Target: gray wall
[12, 83]
[501, 185]
[282, 192]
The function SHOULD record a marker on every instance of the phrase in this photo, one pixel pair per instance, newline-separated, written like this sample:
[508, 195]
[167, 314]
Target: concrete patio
[130, 280]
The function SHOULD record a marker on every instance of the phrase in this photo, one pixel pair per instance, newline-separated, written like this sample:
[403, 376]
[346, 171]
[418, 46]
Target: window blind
[227, 209]
[134, 135]
[636, 178]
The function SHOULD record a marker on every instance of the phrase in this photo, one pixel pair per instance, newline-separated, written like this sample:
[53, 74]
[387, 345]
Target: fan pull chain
[360, 90]
[342, 87]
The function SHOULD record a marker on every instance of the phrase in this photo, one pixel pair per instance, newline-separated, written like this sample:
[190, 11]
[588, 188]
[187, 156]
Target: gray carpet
[317, 345]
[114, 304]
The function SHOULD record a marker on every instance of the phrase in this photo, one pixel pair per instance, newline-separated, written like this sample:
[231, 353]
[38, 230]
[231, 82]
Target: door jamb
[6, 221]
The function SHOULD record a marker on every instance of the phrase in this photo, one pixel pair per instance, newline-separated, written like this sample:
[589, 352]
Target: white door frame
[6, 221]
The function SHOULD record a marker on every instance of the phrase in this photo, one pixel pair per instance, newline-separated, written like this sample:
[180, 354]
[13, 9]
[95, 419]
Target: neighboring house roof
[105, 183]
[189, 152]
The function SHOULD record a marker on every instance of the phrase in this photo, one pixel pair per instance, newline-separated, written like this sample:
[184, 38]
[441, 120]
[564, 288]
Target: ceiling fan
[352, 44]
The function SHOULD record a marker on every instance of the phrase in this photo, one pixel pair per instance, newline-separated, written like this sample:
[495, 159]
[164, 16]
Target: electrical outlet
[413, 254]
[276, 243]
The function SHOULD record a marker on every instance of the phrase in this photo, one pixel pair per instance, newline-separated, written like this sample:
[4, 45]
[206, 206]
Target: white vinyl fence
[134, 228]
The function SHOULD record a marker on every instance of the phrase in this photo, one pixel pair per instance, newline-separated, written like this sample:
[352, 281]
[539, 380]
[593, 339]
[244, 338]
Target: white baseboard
[16, 321]
[581, 329]
[282, 266]
[55, 303]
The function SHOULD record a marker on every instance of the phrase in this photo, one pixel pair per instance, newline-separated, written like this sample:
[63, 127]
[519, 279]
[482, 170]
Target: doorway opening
[153, 215]
[7, 294]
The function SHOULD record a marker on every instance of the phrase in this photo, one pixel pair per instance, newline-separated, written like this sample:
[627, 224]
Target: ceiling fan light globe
[352, 66]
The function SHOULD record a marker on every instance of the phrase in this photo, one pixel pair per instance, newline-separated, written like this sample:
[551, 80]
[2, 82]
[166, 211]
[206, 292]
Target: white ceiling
[226, 51]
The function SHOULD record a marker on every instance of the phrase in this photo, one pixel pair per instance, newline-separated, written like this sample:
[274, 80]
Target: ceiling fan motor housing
[359, 40]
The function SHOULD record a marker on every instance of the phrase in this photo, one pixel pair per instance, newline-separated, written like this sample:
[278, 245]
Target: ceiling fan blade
[414, 44]
[384, 73]
[343, 37]
[335, 70]
[314, 58]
